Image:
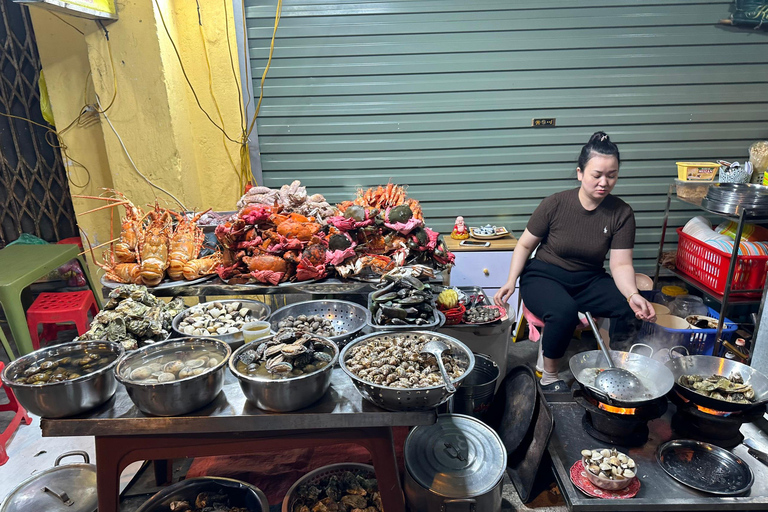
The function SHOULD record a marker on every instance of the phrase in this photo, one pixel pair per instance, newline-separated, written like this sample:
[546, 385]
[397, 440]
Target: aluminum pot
[283, 395]
[455, 465]
[178, 396]
[240, 494]
[69, 397]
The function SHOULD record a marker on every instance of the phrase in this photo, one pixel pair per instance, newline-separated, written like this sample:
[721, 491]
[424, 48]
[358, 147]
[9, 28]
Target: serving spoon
[436, 348]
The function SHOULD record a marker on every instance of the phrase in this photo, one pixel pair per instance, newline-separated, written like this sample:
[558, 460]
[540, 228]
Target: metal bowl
[241, 494]
[285, 394]
[259, 310]
[316, 476]
[413, 399]
[70, 397]
[347, 317]
[178, 396]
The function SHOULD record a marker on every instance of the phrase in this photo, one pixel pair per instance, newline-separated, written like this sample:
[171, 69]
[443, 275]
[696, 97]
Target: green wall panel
[440, 94]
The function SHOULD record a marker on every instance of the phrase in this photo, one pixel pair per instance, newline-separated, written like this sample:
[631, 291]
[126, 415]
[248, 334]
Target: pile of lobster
[153, 245]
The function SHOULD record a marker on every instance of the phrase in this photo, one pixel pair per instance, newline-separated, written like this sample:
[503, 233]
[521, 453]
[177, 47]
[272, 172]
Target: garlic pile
[215, 319]
[608, 464]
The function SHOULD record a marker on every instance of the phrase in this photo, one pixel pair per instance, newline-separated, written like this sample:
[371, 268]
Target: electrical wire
[266, 68]
[239, 89]
[133, 164]
[68, 23]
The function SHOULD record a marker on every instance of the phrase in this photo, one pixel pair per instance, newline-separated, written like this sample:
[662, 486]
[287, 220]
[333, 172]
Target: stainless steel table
[231, 425]
[658, 490]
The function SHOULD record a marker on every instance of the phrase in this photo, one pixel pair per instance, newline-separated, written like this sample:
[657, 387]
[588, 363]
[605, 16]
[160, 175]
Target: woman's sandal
[558, 386]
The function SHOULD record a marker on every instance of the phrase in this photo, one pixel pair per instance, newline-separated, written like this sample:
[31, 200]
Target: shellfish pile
[313, 324]
[293, 198]
[608, 464]
[215, 319]
[397, 362]
[403, 300]
[204, 502]
[480, 315]
[133, 317]
[58, 369]
[289, 353]
[731, 389]
[170, 368]
[347, 491]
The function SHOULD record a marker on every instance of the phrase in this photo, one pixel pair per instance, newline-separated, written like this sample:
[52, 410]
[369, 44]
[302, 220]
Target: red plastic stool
[56, 308]
[21, 415]
[74, 240]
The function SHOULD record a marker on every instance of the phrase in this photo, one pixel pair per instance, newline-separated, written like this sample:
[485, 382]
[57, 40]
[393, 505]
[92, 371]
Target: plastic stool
[74, 240]
[55, 308]
[21, 415]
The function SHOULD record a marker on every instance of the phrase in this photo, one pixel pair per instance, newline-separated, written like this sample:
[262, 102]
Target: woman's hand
[642, 308]
[501, 297]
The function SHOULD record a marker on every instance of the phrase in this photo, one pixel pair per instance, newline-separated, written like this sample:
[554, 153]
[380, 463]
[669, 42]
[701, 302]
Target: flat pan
[710, 365]
[511, 411]
[705, 467]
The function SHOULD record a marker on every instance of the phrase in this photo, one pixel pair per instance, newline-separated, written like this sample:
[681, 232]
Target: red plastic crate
[709, 266]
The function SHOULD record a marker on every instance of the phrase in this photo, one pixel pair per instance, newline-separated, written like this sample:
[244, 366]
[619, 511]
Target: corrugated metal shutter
[440, 94]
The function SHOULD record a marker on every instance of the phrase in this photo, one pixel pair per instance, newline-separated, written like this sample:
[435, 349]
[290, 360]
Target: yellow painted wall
[171, 141]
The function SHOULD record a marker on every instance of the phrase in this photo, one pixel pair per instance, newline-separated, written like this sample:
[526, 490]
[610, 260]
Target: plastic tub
[691, 191]
[697, 171]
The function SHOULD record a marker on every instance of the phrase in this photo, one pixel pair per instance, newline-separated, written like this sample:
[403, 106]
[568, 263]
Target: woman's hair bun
[599, 137]
[599, 143]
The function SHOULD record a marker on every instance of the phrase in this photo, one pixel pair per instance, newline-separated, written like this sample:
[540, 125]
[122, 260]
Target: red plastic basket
[709, 266]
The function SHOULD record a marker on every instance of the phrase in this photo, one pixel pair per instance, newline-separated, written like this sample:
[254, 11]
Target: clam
[166, 377]
[174, 366]
[195, 363]
[141, 373]
[586, 453]
[628, 473]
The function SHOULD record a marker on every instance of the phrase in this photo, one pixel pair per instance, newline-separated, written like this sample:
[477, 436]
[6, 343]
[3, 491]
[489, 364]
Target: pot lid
[71, 487]
[457, 457]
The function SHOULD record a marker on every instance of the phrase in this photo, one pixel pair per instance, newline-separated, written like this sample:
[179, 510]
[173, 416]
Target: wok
[656, 377]
[710, 365]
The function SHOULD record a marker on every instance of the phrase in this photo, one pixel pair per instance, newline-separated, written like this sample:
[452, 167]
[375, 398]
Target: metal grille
[34, 196]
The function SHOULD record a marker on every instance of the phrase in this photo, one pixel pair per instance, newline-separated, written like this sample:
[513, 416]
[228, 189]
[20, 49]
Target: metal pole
[663, 235]
[728, 284]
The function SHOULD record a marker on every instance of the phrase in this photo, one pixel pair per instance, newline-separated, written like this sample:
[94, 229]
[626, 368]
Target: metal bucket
[475, 395]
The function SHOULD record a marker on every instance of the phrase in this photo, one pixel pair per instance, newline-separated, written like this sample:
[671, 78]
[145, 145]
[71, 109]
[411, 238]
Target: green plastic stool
[22, 265]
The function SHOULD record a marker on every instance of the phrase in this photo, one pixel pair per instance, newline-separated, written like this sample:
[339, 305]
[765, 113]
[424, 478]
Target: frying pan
[656, 377]
[710, 365]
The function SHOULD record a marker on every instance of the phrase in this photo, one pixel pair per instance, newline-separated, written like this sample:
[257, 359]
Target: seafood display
[154, 245]
[609, 464]
[397, 362]
[481, 314]
[313, 324]
[349, 491]
[133, 317]
[730, 389]
[289, 353]
[215, 318]
[58, 369]
[291, 198]
[206, 502]
[402, 300]
[179, 365]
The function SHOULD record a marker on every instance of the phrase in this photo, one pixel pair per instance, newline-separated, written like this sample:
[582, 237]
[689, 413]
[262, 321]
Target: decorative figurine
[460, 231]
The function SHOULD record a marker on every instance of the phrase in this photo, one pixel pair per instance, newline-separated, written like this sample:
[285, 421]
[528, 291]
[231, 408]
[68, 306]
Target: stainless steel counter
[658, 490]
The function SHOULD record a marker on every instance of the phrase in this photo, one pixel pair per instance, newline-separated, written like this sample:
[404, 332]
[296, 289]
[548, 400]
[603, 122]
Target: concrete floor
[30, 453]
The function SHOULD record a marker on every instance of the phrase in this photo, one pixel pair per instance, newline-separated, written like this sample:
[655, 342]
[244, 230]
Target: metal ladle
[436, 348]
[617, 383]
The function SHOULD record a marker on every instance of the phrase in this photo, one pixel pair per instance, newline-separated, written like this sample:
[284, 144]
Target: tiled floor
[30, 453]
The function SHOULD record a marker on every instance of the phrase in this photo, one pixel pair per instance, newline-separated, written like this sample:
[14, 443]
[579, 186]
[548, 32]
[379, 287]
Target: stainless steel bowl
[347, 317]
[70, 397]
[413, 399]
[285, 394]
[259, 311]
[178, 396]
[241, 494]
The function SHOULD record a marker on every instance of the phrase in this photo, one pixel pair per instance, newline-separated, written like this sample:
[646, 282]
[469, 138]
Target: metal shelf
[717, 297]
[747, 213]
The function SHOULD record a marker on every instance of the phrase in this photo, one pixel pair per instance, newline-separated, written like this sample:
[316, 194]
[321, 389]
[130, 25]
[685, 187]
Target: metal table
[231, 425]
[658, 490]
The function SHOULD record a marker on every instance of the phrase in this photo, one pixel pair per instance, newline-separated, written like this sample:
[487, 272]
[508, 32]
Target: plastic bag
[45, 101]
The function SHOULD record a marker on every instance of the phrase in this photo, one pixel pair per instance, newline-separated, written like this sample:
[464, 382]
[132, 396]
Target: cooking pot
[455, 465]
[71, 488]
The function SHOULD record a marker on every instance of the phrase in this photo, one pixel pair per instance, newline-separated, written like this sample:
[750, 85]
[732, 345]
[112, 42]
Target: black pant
[556, 296]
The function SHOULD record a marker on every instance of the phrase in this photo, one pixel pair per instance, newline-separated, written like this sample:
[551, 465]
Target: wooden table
[230, 425]
[508, 243]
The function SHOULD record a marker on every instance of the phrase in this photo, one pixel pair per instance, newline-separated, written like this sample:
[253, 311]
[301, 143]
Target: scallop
[173, 366]
[166, 377]
[141, 373]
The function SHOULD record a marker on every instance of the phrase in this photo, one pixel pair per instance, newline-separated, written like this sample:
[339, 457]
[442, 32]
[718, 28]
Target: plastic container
[687, 305]
[697, 171]
[668, 294]
[709, 266]
[691, 191]
[697, 341]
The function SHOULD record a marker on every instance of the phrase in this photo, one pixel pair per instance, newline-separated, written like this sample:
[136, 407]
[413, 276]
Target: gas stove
[627, 426]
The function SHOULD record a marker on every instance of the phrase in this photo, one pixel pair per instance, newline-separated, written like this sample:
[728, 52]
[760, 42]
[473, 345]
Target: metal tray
[705, 467]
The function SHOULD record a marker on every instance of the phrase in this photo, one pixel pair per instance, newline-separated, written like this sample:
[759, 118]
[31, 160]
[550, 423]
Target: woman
[574, 230]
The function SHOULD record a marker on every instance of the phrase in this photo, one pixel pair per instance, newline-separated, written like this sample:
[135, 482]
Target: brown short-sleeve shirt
[577, 239]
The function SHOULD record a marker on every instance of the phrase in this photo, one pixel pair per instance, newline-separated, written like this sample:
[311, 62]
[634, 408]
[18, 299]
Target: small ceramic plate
[501, 232]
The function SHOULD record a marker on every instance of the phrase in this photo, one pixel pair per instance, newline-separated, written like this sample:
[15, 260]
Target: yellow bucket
[697, 171]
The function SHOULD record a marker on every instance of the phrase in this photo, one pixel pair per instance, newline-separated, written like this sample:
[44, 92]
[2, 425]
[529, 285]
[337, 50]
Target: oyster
[731, 389]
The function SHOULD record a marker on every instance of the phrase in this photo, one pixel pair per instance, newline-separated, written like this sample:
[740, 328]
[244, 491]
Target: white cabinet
[487, 269]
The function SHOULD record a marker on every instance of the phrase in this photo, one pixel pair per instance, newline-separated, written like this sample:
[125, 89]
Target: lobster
[130, 225]
[185, 244]
[194, 269]
[153, 247]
